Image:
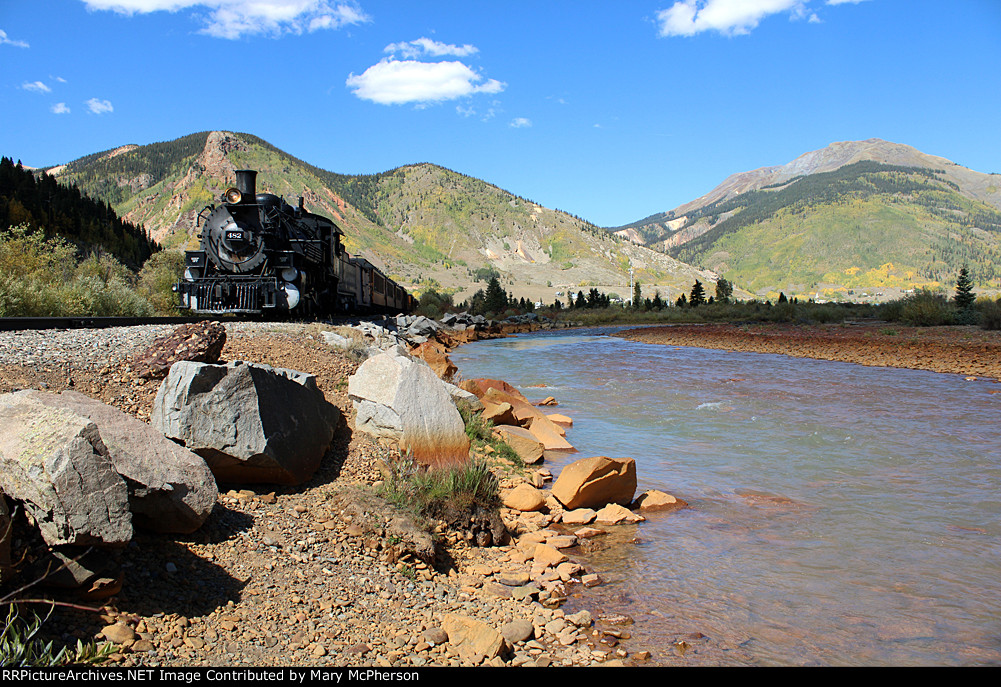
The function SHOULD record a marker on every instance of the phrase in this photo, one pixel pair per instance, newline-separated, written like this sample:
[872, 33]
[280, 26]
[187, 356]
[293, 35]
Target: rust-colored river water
[840, 514]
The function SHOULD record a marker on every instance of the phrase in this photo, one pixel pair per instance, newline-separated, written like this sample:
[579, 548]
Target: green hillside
[424, 224]
[863, 225]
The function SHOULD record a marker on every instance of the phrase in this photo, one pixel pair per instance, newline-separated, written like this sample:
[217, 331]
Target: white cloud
[60, 108]
[99, 106]
[426, 46]
[4, 40]
[465, 111]
[236, 18]
[36, 86]
[729, 17]
[392, 82]
[520, 123]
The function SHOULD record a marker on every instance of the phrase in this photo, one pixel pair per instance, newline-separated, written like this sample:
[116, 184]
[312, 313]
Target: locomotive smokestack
[246, 184]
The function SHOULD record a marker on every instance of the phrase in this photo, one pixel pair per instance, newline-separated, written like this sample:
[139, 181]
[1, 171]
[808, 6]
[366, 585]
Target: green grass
[22, 645]
[441, 492]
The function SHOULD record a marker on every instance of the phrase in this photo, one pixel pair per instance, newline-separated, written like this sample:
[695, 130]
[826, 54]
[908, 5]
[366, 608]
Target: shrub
[20, 644]
[990, 314]
[927, 309]
[157, 278]
[42, 277]
[433, 304]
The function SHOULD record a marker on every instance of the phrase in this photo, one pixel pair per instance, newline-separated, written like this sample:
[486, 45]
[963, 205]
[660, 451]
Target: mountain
[856, 215]
[38, 201]
[422, 223]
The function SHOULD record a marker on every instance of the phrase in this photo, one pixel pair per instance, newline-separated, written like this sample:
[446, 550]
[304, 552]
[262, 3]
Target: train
[258, 255]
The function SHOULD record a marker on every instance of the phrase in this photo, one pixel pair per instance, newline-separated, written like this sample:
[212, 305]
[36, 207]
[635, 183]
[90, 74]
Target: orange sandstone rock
[596, 481]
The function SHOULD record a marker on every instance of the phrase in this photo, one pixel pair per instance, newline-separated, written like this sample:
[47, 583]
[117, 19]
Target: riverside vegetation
[44, 276]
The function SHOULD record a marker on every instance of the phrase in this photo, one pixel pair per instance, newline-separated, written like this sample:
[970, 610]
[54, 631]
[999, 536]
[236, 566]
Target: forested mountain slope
[421, 222]
[835, 221]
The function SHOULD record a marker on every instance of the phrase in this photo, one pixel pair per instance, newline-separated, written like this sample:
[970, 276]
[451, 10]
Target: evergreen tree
[496, 297]
[682, 301]
[698, 294]
[782, 297]
[724, 291]
[964, 297]
[637, 295]
[477, 303]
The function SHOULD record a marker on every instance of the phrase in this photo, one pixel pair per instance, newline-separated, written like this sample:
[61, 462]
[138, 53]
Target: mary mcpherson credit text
[286, 675]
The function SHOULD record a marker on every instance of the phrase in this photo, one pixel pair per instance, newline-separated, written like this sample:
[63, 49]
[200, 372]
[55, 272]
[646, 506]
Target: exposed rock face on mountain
[976, 185]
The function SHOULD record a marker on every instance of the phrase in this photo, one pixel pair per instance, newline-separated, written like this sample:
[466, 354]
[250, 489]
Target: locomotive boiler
[259, 255]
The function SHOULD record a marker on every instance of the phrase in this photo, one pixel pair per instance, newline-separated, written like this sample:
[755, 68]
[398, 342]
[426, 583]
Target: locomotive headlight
[291, 295]
[192, 273]
[232, 195]
[290, 273]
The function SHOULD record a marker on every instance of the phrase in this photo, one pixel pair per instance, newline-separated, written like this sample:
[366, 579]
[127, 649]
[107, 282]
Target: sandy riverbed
[967, 350]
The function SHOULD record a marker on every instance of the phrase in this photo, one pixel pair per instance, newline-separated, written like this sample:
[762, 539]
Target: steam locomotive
[259, 255]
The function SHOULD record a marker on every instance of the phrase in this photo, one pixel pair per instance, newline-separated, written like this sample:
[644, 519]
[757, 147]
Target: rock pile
[356, 586]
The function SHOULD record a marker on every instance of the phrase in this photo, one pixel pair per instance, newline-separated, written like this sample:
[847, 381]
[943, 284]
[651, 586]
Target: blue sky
[609, 110]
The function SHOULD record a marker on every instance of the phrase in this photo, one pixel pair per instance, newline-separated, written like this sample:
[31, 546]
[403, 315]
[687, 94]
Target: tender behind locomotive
[259, 255]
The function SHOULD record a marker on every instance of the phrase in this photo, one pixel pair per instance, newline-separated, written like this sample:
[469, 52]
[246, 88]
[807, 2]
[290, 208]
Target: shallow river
[841, 514]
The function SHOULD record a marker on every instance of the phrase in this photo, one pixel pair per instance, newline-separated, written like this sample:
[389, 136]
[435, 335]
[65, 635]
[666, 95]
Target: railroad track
[9, 324]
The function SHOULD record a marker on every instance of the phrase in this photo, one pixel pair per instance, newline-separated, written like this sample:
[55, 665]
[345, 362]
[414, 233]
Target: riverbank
[966, 350]
[292, 575]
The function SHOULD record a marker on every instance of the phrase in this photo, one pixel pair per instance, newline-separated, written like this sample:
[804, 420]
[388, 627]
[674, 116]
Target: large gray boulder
[404, 400]
[170, 488]
[250, 422]
[54, 462]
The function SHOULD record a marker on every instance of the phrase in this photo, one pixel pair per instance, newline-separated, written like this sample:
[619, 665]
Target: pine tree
[698, 294]
[724, 291]
[637, 295]
[964, 297]
[496, 297]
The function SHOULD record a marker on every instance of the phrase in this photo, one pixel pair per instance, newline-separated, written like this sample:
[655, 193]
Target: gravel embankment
[283, 576]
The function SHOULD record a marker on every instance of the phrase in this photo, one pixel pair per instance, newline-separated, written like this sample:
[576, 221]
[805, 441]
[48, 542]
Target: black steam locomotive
[259, 255]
